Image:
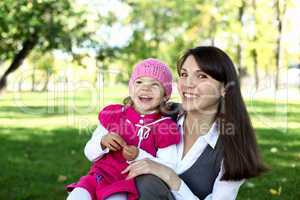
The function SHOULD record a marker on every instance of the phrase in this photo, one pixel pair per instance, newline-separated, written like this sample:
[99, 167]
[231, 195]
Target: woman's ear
[223, 91]
[227, 87]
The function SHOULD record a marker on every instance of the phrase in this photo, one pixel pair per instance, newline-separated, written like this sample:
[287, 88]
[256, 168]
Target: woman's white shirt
[222, 190]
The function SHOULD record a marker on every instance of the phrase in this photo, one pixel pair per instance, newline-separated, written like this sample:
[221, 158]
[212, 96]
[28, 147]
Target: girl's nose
[146, 87]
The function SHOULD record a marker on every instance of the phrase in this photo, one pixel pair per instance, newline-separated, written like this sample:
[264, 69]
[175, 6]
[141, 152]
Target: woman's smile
[197, 89]
[189, 95]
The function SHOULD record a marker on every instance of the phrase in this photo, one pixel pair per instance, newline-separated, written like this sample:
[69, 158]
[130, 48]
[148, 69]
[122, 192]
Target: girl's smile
[146, 94]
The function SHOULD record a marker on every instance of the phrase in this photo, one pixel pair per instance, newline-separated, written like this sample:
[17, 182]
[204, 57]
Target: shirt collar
[212, 135]
[135, 117]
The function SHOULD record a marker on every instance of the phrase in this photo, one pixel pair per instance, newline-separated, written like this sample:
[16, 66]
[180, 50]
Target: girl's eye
[155, 85]
[183, 74]
[138, 82]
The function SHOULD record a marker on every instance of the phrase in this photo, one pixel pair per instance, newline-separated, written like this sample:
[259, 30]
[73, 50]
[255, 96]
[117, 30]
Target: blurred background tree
[63, 60]
[43, 66]
[113, 35]
[37, 24]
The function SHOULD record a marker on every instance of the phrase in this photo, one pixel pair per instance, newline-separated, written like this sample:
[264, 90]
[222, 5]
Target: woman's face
[199, 91]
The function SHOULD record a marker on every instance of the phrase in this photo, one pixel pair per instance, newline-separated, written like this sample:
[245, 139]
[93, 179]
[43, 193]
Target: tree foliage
[40, 24]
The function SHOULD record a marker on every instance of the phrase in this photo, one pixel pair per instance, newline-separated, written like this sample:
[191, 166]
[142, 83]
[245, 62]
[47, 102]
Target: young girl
[136, 124]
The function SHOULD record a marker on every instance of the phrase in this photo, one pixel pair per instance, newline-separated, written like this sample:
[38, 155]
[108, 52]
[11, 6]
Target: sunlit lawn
[42, 136]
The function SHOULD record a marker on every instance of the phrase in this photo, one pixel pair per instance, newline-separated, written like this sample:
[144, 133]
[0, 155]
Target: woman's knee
[151, 187]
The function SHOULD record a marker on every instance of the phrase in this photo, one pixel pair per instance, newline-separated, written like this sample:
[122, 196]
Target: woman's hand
[147, 166]
[112, 141]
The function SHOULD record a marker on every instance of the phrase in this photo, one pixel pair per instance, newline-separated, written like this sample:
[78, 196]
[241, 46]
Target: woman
[218, 150]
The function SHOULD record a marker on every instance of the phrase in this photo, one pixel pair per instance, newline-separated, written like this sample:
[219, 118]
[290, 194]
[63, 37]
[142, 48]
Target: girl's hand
[130, 152]
[147, 166]
[112, 141]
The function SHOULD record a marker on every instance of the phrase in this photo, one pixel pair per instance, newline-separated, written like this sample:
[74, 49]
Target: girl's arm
[93, 150]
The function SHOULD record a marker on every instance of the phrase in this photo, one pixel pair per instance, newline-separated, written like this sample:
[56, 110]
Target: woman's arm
[184, 192]
[93, 150]
[176, 185]
[224, 190]
[166, 156]
[147, 166]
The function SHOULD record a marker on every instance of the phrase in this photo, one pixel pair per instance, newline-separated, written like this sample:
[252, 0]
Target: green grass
[42, 138]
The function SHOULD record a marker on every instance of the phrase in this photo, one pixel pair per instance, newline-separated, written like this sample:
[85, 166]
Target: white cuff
[184, 193]
[93, 150]
[163, 156]
[106, 150]
[143, 154]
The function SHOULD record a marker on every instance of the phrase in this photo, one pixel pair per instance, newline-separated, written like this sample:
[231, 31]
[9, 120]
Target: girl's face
[146, 94]
[199, 91]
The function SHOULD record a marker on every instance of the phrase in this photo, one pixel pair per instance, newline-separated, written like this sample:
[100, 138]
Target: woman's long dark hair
[237, 136]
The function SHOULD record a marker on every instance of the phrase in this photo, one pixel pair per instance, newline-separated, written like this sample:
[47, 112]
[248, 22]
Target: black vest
[201, 176]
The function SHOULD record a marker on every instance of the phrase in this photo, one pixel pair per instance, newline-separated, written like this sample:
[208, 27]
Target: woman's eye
[138, 82]
[201, 76]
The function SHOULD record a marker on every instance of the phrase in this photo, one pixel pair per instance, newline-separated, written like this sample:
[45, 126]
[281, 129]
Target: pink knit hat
[155, 69]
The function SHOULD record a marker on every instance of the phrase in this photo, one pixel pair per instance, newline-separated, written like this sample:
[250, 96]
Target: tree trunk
[33, 79]
[253, 50]
[212, 30]
[20, 86]
[27, 46]
[45, 87]
[279, 15]
[239, 49]
[254, 57]
[157, 35]
[239, 61]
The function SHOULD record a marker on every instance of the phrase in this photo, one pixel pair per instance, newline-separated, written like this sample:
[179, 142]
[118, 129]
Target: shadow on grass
[43, 111]
[280, 149]
[269, 104]
[271, 109]
[33, 159]
[31, 111]
[291, 116]
[284, 164]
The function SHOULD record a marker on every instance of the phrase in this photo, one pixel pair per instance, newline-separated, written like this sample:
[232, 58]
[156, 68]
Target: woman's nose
[189, 82]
